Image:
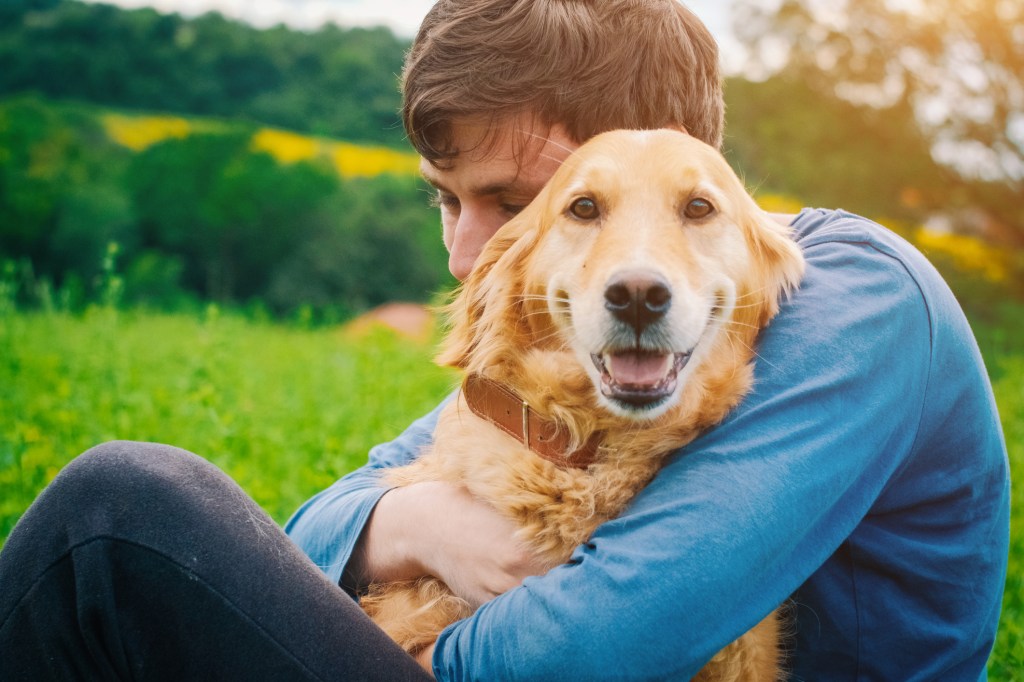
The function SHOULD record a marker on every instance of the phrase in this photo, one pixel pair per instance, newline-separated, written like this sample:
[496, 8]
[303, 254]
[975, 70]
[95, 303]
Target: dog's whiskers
[544, 298]
[704, 288]
[753, 292]
[545, 138]
[734, 337]
[555, 334]
[748, 305]
[549, 157]
[534, 313]
[729, 321]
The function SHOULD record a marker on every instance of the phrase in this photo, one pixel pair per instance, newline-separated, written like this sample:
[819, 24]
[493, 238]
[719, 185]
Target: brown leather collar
[502, 407]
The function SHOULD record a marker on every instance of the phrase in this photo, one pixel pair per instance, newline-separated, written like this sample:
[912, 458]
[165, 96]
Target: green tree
[61, 201]
[333, 81]
[380, 244]
[12, 9]
[92, 216]
[230, 213]
[32, 173]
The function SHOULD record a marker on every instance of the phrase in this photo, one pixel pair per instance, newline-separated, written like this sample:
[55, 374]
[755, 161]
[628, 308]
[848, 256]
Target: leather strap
[501, 406]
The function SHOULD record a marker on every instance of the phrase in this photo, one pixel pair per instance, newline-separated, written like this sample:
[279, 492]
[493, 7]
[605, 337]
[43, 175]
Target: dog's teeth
[680, 361]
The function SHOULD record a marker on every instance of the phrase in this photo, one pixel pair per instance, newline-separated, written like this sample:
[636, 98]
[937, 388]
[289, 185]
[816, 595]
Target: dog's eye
[584, 208]
[698, 208]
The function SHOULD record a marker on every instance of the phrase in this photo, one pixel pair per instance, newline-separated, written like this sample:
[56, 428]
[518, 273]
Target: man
[865, 476]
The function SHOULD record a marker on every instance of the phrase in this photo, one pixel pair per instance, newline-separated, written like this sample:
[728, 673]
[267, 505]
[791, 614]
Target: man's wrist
[384, 551]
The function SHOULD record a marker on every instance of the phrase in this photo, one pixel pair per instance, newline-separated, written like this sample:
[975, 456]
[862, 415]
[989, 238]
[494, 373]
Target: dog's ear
[486, 308]
[778, 265]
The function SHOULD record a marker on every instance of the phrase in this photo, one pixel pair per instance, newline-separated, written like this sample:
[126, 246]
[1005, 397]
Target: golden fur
[534, 311]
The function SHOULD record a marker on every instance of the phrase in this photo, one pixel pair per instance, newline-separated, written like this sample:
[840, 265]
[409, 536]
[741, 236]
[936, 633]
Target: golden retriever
[620, 309]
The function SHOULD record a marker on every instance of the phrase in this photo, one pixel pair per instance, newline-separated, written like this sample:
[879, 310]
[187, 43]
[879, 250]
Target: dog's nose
[638, 299]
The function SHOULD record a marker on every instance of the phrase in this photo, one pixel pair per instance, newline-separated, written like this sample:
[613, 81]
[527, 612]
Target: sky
[402, 16]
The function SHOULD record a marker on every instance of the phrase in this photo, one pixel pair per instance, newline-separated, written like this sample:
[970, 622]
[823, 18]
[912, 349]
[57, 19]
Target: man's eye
[512, 209]
[444, 200]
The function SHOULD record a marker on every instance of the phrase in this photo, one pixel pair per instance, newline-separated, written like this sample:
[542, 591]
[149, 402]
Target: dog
[608, 324]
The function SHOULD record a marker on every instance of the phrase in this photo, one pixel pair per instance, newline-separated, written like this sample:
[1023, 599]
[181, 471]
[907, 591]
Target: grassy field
[286, 411]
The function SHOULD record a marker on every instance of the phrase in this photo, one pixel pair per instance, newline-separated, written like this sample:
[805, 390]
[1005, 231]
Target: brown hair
[589, 65]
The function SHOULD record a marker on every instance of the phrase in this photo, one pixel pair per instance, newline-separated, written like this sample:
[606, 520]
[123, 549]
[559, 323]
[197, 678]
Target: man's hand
[439, 529]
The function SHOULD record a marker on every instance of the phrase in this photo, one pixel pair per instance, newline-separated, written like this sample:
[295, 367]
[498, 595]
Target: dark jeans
[143, 561]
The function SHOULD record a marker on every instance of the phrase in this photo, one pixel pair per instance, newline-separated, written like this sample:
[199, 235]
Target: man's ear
[485, 309]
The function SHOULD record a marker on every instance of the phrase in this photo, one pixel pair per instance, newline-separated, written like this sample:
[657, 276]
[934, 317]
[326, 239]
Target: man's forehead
[515, 155]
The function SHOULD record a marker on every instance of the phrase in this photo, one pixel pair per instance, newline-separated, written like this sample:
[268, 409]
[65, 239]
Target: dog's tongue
[637, 369]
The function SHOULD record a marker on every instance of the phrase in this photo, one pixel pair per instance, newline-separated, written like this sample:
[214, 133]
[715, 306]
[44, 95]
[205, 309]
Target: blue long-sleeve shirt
[865, 478]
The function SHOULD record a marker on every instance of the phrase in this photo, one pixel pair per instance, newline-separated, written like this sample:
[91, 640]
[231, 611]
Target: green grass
[283, 411]
[286, 411]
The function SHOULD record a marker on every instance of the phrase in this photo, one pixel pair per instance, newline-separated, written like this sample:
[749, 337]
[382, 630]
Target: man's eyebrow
[499, 187]
[490, 189]
[433, 182]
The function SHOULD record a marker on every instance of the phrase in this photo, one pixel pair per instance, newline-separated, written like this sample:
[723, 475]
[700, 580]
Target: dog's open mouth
[639, 378]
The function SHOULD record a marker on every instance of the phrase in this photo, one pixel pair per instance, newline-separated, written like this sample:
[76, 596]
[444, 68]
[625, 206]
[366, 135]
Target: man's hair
[589, 65]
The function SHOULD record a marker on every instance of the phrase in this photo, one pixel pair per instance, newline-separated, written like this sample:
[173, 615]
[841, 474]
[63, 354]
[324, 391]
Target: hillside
[333, 82]
[185, 209]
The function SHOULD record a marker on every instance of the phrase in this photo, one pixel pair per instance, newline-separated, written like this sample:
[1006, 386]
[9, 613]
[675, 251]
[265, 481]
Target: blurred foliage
[787, 138]
[62, 199]
[797, 146]
[229, 213]
[336, 82]
[209, 210]
[955, 69]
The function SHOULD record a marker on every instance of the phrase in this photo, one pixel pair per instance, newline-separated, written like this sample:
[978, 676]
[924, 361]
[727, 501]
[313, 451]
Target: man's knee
[119, 489]
[144, 493]
[132, 464]
[124, 475]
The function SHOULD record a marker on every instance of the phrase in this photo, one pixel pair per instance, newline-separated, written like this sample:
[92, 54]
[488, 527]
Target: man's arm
[742, 517]
[329, 525]
[359, 530]
[455, 537]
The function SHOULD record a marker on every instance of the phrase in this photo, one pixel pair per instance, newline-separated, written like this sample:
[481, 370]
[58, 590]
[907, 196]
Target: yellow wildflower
[286, 147]
[139, 132]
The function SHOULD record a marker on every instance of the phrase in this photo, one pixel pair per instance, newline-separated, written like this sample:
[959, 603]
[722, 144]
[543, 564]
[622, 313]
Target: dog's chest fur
[558, 507]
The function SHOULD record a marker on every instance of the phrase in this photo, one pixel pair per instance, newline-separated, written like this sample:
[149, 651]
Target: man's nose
[461, 264]
[472, 232]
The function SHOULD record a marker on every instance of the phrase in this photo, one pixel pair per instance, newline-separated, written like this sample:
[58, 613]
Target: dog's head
[644, 256]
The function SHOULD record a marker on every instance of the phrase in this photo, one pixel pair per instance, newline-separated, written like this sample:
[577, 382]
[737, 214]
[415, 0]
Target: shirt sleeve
[741, 517]
[327, 527]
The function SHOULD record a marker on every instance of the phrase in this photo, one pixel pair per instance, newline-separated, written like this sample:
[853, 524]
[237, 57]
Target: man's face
[487, 184]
